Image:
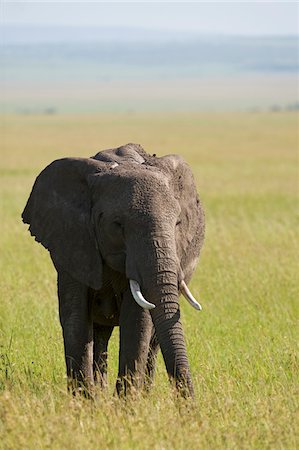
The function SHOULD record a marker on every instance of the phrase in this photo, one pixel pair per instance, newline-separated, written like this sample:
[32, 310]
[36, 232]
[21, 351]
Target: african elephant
[120, 226]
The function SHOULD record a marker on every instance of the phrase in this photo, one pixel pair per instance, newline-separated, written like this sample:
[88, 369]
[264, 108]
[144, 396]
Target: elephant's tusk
[138, 297]
[188, 296]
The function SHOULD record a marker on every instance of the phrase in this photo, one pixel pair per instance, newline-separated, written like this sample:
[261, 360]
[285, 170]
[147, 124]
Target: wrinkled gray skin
[103, 225]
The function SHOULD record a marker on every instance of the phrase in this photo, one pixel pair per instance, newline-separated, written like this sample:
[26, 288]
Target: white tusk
[138, 297]
[188, 296]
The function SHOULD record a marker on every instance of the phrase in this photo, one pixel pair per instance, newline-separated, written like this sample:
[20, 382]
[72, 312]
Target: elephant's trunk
[159, 284]
[166, 319]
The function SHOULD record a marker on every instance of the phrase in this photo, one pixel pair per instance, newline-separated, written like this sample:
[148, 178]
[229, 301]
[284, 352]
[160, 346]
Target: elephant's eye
[178, 222]
[117, 226]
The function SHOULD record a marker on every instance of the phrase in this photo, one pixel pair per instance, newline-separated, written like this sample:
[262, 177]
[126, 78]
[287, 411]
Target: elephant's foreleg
[101, 336]
[76, 321]
[151, 362]
[135, 334]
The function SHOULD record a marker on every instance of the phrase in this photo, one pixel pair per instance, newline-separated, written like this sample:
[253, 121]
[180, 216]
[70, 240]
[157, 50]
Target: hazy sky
[211, 17]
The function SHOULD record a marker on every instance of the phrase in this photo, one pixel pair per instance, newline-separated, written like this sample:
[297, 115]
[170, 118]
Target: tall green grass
[242, 347]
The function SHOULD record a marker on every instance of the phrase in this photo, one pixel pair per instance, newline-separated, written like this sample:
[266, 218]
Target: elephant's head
[138, 214]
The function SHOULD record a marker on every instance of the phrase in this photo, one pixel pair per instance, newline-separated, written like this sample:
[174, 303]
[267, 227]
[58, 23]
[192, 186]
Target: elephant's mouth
[117, 262]
[183, 288]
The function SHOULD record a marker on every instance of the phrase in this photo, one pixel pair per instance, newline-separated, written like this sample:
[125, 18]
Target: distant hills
[25, 34]
[69, 68]
[184, 54]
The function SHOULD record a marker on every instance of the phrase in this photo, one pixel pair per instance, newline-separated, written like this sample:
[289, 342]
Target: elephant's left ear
[59, 214]
[190, 228]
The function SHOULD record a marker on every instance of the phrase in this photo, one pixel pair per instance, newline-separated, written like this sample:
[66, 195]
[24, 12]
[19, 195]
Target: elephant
[124, 230]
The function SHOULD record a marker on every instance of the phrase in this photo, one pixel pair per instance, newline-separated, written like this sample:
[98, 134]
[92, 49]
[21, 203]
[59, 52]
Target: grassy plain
[242, 347]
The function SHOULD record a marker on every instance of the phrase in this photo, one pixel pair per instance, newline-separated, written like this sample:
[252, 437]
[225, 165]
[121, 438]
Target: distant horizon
[148, 29]
[121, 71]
[37, 33]
[75, 56]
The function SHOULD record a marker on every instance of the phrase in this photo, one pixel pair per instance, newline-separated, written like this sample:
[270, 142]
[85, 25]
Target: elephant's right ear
[59, 214]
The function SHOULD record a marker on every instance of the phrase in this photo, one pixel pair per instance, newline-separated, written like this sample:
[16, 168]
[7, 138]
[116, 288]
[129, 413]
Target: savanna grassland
[242, 346]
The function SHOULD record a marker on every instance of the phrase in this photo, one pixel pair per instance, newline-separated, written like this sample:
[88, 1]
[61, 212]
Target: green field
[243, 345]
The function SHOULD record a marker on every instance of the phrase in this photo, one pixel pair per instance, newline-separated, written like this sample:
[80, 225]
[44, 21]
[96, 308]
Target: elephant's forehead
[147, 189]
[150, 191]
[140, 177]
